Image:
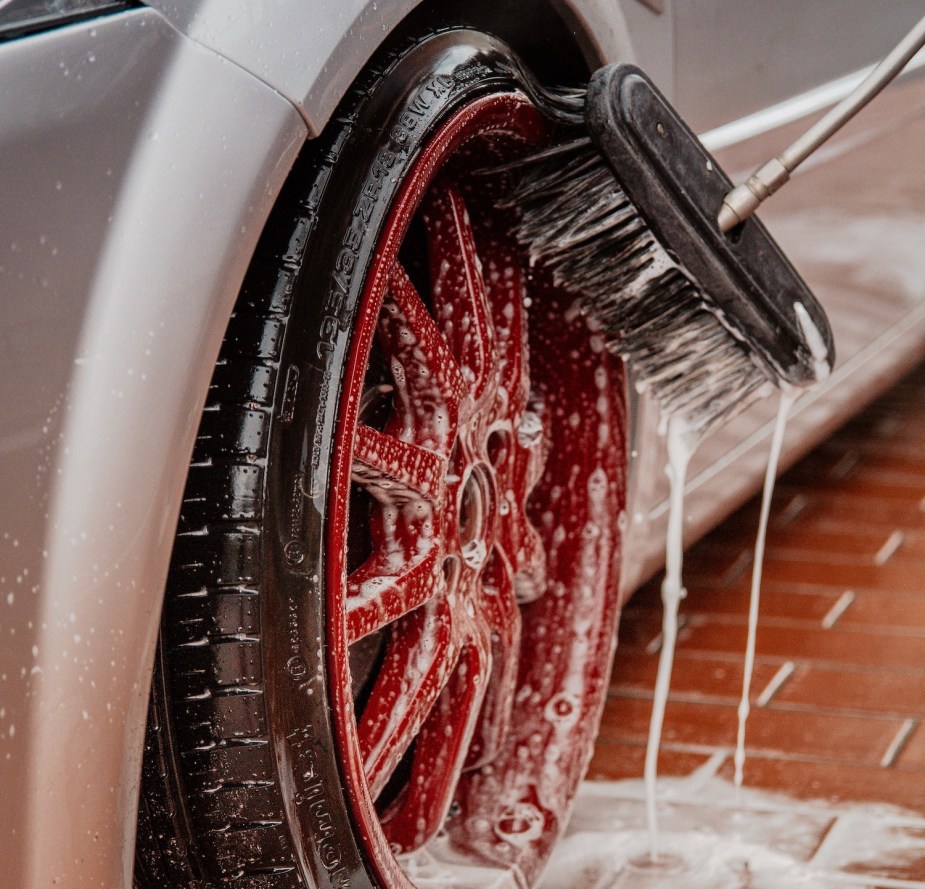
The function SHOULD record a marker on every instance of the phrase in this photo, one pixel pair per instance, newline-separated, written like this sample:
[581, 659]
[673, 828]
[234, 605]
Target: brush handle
[744, 199]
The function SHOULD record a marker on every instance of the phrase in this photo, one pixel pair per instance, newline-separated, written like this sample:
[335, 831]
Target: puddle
[707, 841]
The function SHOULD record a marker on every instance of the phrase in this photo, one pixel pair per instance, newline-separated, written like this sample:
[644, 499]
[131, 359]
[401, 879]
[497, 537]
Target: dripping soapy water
[681, 445]
[787, 398]
[789, 394]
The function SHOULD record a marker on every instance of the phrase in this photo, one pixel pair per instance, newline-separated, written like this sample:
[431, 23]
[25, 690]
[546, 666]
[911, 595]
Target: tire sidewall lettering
[343, 236]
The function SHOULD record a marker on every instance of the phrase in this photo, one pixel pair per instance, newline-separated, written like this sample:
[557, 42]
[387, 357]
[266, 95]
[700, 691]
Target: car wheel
[391, 608]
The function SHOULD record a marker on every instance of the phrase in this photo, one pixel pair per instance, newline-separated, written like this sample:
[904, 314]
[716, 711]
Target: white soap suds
[715, 837]
[822, 364]
[777, 440]
[681, 445]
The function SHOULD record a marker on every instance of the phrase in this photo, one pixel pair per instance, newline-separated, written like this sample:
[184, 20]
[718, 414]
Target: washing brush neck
[744, 199]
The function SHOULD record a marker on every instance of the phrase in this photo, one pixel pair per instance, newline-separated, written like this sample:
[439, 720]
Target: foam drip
[681, 445]
[786, 402]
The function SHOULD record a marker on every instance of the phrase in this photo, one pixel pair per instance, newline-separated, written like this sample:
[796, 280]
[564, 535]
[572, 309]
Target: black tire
[241, 785]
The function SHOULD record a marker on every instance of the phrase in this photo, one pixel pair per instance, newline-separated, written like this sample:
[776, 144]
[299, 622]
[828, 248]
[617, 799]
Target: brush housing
[677, 188]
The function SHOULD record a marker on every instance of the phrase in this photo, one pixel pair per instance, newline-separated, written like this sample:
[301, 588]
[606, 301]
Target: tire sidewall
[351, 180]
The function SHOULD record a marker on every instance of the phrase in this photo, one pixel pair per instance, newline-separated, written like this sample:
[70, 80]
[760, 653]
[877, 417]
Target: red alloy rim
[477, 486]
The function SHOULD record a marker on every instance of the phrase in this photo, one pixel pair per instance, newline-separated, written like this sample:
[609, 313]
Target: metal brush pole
[744, 199]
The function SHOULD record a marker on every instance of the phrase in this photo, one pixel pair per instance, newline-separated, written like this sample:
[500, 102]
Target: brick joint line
[898, 743]
[886, 552]
[737, 568]
[838, 609]
[654, 645]
[777, 681]
[797, 504]
[845, 464]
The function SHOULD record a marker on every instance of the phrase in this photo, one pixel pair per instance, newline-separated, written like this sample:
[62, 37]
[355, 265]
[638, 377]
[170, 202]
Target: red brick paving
[797, 640]
[913, 755]
[849, 689]
[836, 782]
[700, 678]
[620, 760]
[771, 730]
[843, 602]
[889, 611]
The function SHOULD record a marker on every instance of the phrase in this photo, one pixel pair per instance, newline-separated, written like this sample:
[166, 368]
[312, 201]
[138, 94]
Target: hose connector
[744, 199]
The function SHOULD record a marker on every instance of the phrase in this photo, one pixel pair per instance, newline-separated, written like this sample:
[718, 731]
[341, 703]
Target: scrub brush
[624, 214]
[636, 216]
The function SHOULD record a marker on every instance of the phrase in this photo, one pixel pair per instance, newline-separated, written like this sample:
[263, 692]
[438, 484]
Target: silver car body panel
[312, 52]
[728, 52]
[130, 206]
[139, 156]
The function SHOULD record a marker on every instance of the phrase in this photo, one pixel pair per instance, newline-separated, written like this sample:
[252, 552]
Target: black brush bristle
[577, 221]
[623, 211]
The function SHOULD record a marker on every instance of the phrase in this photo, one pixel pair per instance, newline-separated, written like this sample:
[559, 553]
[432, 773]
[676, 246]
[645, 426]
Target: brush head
[678, 189]
[707, 320]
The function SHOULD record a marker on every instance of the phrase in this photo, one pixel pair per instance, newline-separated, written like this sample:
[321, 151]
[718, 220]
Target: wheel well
[556, 49]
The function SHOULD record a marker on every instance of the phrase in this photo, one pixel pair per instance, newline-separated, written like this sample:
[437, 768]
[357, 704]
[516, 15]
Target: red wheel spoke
[441, 751]
[519, 459]
[502, 616]
[505, 285]
[421, 654]
[472, 551]
[529, 465]
[428, 381]
[519, 448]
[474, 508]
[458, 290]
[376, 596]
[396, 471]
[530, 580]
[404, 570]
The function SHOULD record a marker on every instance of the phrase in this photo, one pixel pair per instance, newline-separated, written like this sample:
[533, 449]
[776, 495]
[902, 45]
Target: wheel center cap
[476, 516]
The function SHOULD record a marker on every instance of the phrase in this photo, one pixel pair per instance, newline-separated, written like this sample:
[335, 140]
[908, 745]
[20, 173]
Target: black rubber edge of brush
[677, 188]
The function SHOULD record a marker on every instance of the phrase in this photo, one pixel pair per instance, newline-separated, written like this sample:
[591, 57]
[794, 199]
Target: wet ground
[836, 741]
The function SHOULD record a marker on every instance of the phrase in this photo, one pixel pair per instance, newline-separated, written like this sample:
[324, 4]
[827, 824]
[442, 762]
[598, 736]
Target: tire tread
[212, 775]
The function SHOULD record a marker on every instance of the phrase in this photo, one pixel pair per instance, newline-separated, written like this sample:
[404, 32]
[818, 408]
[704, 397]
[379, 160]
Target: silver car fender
[118, 271]
[322, 48]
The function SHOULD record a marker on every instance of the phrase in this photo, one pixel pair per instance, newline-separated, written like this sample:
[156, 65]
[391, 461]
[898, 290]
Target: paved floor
[839, 687]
